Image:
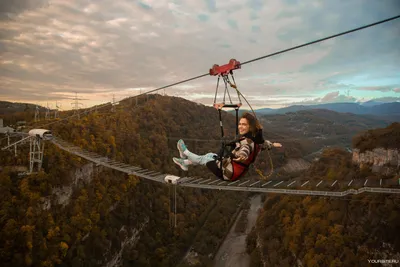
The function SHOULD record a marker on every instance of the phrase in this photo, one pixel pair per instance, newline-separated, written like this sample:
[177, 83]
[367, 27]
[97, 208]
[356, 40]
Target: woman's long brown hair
[253, 122]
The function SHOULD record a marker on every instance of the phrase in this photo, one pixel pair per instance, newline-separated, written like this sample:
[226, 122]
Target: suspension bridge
[246, 184]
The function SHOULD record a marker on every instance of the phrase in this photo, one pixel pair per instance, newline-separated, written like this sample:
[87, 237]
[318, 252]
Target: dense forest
[110, 216]
[324, 231]
[13, 112]
[388, 138]
[318, 231]
[77, 214]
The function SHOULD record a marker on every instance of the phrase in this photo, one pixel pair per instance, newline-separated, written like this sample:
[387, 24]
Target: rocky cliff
[380, 159]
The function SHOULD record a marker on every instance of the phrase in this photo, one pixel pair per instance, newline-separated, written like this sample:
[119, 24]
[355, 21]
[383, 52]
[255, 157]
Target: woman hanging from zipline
[244, 150]
[236, 164]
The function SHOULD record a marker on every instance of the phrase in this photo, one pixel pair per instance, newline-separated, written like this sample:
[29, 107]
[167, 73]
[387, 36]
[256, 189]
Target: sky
[53, 51]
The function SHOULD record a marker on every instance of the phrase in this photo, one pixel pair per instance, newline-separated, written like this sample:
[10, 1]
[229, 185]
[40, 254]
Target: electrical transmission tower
[37, 113]
[47, 114]
[113, 104]
[56, 110]
[76, 105]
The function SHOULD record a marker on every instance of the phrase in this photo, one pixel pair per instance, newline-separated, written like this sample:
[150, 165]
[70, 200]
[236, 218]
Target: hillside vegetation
[388, 138]
[327, 231]
[108, 208]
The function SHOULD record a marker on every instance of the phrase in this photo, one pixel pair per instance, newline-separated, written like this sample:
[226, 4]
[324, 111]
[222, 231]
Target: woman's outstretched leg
[183, 163]
[194, 158]
[181, 147]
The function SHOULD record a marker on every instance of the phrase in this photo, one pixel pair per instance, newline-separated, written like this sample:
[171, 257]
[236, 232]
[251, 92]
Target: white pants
[200, 159]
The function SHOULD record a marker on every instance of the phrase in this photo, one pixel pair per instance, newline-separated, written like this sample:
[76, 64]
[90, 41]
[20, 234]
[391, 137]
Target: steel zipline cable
[246, 62]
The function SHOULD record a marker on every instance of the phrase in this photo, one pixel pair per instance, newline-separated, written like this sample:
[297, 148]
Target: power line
[256, 59]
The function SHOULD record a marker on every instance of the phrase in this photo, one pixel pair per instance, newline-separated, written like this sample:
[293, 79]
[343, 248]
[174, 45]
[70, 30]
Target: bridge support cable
[175, 203]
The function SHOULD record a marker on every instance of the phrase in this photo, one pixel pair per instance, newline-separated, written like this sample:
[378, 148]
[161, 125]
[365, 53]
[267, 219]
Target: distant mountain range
[370, 107]
[377, 101]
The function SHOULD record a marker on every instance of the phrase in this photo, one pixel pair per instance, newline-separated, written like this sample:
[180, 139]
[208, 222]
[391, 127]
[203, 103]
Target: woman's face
[244, 126]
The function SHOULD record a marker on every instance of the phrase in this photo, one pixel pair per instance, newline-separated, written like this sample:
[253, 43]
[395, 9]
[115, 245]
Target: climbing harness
[224, 71]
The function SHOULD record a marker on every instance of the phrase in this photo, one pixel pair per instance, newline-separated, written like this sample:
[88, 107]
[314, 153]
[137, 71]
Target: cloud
[211, 5]
[377, 88]
[330, 97]
[233, 24]
[144, 5]
[334, 97]
[100, 48]
[203, 17]
[255, 29]
[255, 5]
[10, 9]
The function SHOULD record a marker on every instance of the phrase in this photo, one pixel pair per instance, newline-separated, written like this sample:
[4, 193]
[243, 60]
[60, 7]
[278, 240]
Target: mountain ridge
[355, 108]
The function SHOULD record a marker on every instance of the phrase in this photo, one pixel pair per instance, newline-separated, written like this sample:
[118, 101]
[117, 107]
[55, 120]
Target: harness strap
[237, 120]
[221, 153]
[223, 144]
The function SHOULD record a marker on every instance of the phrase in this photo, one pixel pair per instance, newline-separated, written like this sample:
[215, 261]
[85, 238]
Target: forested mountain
[319, 231]
[78, 214]
[11, 113]
[304, 134]
[320, 122]
[388, 137]
[10, 107]
[109, 217]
